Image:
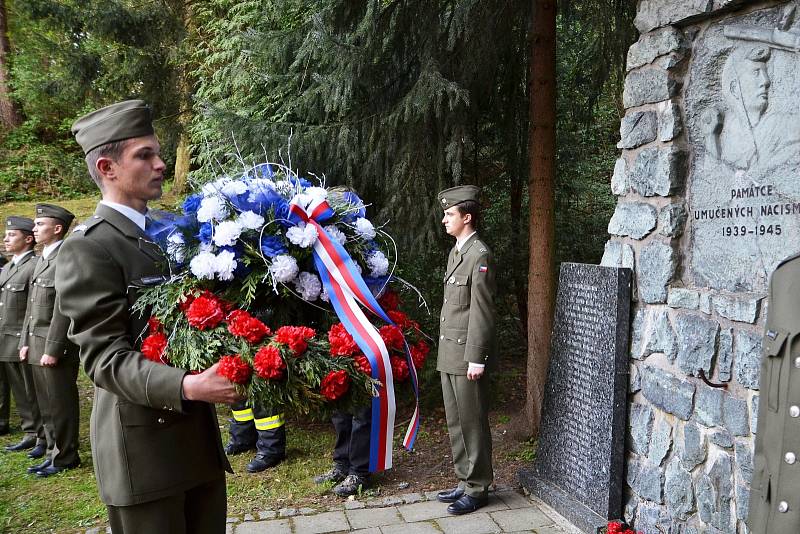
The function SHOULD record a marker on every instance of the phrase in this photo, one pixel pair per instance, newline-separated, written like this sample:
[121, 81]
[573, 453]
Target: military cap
[19, 223]
[457, 195]
[56, 212]
[117, 122]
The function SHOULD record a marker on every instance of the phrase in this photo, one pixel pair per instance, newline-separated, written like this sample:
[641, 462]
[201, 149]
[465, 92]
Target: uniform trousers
[5, 400]
[57, 395]
[466, 404]
[20, 380]
[199, 510]
[351, 452]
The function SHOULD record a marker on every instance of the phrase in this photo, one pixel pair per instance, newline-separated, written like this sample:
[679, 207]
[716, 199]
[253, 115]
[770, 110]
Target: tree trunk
[9, 115]
[541, 188]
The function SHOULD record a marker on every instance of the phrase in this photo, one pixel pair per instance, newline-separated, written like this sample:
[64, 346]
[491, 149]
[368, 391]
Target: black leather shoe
[466, 504]
[37, 452]
[261, 462]
[451, 495]
[32, 469]
[51, 470]
[25, 444]
[232, 449]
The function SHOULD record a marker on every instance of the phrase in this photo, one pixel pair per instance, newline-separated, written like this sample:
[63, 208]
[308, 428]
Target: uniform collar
[137, 218]
[460, 243]
[50, 248]
[19, 257]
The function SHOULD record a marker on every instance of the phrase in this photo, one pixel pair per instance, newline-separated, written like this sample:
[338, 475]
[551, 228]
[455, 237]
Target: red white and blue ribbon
[347, 290]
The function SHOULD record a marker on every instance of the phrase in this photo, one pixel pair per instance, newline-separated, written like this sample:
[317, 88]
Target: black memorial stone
[579, 463]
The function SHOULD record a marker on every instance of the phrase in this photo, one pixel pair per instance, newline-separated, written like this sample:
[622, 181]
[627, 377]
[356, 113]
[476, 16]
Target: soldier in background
[14, 285]
[466, 343]
[44, 344]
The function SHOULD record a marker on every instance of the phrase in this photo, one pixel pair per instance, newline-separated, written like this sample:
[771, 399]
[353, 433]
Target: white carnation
[303, 235]
[317, 193]
[302, 200]
[212, 209]
[308, 285]
[285, 187]
[378, 263]
[226, 233]
[175, 246]
[203, 266]
[336, 234]
[212, 189]
[365, 229]
[259, 185]
[284, 268]
[234, 188]
[224, 265]
[324, 297]
[250, 220]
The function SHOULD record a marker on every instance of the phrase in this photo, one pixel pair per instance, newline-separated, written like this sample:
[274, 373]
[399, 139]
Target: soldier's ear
[29, 238]
[467, 218]
[105, 166]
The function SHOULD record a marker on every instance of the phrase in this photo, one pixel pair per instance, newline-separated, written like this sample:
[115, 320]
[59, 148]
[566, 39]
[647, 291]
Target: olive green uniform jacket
[147, 443]
[775, 495]
[14, 287]
[467, 335]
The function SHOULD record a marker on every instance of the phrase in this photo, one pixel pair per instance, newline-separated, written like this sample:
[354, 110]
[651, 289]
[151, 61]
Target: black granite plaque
[579, 464]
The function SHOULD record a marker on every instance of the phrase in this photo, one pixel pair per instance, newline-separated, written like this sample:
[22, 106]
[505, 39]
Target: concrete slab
[474, 523]
[276, 526]
[422, 511]
[321, 523]
[552, 529]
[373, 517]
[375, 530]
[521, 519]
[411, 528]
[514, 499]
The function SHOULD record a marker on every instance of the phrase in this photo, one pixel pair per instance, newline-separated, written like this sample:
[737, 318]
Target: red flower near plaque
[242, 324]
[296, 337]
[362, 364]
[154, 325]
[402, 320]
[342, 343]
[154, 346]
[234, 369]
[268, 363]
[419, 353]
[335, 384]
[399, 368]
[205, 312]
[390, 300]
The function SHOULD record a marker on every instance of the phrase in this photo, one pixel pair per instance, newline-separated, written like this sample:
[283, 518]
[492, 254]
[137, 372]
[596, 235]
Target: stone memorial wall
[709, 202]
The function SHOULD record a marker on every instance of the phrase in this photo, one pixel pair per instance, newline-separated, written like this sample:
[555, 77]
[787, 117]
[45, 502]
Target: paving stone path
[414, 513]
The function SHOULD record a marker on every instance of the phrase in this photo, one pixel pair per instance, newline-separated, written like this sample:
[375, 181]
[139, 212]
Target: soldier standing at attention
[155, 440]
[44, 344]
[466, 342]
[774, 496]
[14, 285]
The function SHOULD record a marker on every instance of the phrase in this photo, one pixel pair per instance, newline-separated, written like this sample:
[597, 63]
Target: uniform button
[38, 279]
[794, 411]
[797, 362]
[790, 458]
[160, 420]
[442, 319]
[452, 280]
[783, 507]
[459, 340]
[441, 337]
[445, 301]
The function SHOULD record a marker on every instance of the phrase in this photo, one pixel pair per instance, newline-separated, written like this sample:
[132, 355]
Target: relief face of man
[745, 81]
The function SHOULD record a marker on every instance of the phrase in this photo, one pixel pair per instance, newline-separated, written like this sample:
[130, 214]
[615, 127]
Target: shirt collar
[50, 248]
[18, 257]
[460, 242]
[137, 218]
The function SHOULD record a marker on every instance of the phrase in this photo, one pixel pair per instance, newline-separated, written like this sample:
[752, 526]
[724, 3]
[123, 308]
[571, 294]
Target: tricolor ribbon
[347, 290]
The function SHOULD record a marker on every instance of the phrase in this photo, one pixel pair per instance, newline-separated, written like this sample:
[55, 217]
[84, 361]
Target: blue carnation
[354, 200]
[282, 212]
[206, 231]
[272, 246]
[192, 204]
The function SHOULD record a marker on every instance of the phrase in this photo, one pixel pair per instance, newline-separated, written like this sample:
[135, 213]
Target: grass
[69, 501]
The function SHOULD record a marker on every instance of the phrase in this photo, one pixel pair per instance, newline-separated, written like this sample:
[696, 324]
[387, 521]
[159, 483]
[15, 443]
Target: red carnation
[205, 312]
[154, 325]
[268, 363]
[419, 353]
[295, 337]
[390, 300]
[392, 336]
[154, 346]
[342, 343]
[335, 384]
[234, 368]
[401, 319]
[242, 324]
[399, 368]
[362, 364]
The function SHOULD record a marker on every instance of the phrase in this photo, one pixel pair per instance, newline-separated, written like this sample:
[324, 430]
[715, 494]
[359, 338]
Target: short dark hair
[111, 150]
[471, 207]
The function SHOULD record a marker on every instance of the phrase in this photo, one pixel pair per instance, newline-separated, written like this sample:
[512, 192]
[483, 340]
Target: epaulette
[88, 224]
